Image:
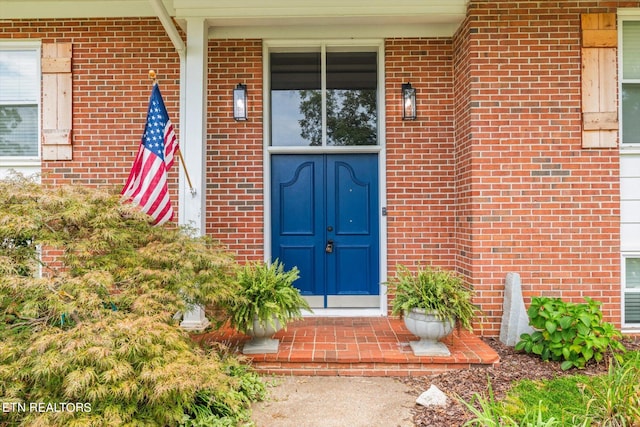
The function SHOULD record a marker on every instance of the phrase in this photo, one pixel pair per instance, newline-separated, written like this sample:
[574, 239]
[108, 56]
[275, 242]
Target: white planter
[430, 330]
[261, 341]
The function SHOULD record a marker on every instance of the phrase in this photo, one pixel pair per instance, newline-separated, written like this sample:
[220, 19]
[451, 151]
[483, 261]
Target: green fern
[267, 294]
[438, 291]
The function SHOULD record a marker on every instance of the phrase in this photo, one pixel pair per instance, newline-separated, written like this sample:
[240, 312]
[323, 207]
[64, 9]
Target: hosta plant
[574, 334]
[88, 293]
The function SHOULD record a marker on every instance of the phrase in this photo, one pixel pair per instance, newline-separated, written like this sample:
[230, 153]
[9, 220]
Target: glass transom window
[324, 98]
[19, 100]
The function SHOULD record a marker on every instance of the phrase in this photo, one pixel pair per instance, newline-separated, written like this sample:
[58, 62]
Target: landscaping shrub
[572, 333]
[93, 341]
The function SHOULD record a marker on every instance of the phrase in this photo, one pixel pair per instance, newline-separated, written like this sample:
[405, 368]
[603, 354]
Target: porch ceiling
[259, 18]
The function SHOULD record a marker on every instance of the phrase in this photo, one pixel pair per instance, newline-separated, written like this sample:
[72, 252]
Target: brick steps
[358, 346]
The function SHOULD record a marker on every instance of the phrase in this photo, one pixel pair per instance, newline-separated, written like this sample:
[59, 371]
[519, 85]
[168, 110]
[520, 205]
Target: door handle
[329, 248]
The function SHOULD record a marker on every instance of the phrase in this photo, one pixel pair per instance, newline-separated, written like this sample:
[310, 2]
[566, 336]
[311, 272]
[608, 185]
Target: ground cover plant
[594, 392]
[611, 399]
[89, 337]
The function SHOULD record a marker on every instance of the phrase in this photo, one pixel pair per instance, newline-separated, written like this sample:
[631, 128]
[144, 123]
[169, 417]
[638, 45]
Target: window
[630, 77]
[631, 290]
[19, 101]
[629, 72]
[324, 97]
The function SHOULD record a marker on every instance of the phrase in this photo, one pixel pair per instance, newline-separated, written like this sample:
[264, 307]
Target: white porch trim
[272, 19]
[193, 143]
[193, 126]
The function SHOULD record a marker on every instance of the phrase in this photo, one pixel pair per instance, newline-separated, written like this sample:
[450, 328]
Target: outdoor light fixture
[408, 102]
[240, 102]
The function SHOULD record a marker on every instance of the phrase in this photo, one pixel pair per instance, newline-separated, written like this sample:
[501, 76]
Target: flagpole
[186, 172]
[153, 77]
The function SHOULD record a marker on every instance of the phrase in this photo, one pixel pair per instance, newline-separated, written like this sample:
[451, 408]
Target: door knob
[329, 248]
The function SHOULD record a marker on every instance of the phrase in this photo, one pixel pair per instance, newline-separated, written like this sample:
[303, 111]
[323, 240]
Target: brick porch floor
[358, 346]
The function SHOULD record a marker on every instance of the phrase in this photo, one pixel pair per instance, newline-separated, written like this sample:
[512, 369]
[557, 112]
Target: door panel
[352, 212]
[298, 205]
[351, 198]
[298, 234]
[325, 222]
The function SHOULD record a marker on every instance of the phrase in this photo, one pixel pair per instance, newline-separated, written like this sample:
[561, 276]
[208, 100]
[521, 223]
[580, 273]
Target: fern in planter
[433, 290]
[267, 294]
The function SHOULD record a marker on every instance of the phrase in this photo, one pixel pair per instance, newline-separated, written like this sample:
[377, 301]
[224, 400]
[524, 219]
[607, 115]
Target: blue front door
[325, 222]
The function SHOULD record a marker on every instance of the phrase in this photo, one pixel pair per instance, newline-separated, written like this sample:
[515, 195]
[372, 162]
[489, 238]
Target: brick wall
[420, 160]
[540, 204]
[490, 178]
[234, 195]
[462, 151]
[111, 89]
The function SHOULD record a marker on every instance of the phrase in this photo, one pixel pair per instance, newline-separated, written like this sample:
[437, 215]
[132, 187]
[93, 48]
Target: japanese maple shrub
[94, 327]
[572, 333]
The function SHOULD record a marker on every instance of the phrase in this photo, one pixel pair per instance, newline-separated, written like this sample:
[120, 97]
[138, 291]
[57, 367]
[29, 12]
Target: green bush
[572, 333]
[97, 327]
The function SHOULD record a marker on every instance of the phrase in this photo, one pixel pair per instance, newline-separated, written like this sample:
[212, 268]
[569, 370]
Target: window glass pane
[18, 130]
[19, 98]
[352, 98]
[632, 307]
[296, 99]
[18, 76]
[632, 298]
[631, 49]
[630, 113]
[632, 273]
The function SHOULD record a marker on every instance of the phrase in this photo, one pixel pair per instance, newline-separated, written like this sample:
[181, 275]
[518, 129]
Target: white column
[193, 142]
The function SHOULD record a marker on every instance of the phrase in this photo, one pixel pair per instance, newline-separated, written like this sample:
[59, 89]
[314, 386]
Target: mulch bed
[513, 366]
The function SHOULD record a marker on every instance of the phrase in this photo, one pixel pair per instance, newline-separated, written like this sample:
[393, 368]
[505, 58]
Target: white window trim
[627, 327]
[26, 163]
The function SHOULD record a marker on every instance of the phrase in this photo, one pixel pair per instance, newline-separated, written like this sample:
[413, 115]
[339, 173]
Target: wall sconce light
[240, 102]
[408, 102]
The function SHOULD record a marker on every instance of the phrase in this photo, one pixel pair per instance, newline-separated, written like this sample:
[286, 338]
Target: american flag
[147, 182]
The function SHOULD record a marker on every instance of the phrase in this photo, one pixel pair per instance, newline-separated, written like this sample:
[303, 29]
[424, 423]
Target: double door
[325, 221]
